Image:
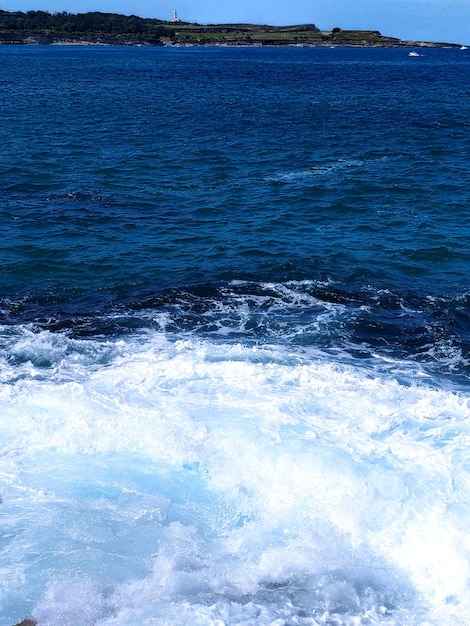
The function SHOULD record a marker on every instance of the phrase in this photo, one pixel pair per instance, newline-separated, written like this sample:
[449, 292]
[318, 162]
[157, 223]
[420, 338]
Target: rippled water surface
[234, 336]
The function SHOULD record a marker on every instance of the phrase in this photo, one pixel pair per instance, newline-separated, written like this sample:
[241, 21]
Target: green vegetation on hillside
[68, 26]
[113, 28]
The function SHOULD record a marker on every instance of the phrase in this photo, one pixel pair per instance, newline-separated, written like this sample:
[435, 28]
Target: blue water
[234, 336]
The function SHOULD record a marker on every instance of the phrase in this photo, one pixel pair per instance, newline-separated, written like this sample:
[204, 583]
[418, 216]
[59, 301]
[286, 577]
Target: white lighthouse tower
[175, 16]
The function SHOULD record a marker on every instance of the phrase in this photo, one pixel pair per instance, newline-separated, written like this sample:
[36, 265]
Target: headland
[96, 28]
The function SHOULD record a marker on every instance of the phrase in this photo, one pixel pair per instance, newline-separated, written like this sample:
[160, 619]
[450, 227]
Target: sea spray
[191, 478]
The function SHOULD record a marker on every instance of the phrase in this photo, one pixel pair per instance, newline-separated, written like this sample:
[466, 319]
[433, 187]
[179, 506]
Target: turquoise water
[234, 340]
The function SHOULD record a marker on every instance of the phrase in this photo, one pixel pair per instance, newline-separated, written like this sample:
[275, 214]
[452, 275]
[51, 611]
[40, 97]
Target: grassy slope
[158, 32]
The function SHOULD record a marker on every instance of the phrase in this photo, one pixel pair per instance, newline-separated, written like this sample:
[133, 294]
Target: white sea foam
[150, 481]
[333, 168]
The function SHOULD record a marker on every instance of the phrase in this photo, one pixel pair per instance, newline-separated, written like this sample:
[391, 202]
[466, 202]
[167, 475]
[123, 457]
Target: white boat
[413, 54]
[464, 47]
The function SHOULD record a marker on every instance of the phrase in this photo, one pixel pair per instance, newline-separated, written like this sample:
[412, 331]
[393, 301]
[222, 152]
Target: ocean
[234, 336]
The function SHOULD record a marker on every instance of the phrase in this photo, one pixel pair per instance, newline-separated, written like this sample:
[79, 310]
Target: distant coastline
[96, 28]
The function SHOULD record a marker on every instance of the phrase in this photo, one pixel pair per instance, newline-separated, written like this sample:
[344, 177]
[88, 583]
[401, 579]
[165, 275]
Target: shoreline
[97, 28]
[55, 41]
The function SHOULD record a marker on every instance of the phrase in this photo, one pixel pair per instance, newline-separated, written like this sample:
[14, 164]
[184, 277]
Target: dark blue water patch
[81, 239]
[130, 174]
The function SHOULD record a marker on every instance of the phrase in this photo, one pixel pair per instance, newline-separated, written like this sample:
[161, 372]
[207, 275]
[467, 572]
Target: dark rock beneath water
[27, 622]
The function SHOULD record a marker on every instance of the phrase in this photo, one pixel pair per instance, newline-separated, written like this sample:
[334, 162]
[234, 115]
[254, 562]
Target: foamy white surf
[147, 481]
